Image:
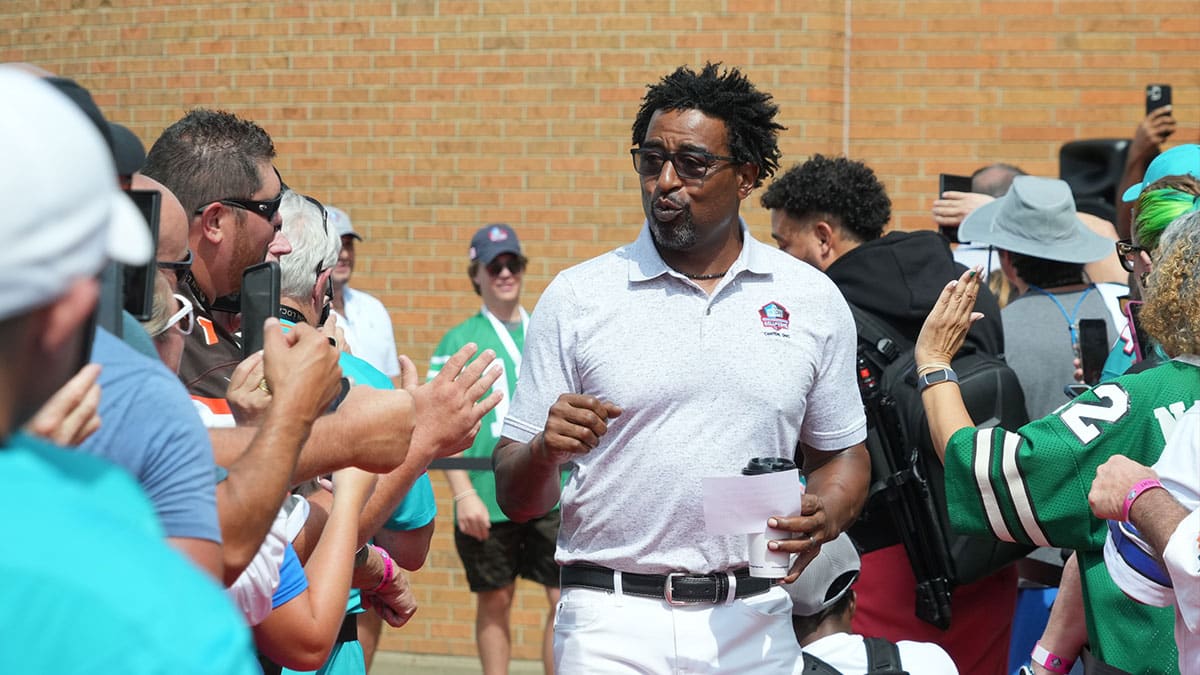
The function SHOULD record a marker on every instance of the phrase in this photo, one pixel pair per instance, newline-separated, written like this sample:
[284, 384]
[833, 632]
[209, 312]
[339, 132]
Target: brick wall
[426, 119]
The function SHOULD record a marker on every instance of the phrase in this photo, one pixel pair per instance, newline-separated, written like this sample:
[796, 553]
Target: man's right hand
[1153, 131]
[574, 426]
[449, 408]
[301, 371]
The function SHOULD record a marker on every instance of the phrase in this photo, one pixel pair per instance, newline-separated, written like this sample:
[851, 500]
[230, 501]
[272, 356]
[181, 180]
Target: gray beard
[679, 235]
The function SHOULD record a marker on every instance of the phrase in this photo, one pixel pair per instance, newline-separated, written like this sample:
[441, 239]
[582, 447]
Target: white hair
[315, 246]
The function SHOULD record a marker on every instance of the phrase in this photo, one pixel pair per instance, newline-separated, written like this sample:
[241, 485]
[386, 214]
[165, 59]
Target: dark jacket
[898, 278]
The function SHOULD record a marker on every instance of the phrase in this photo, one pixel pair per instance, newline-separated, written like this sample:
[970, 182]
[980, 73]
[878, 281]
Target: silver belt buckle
[668, 589]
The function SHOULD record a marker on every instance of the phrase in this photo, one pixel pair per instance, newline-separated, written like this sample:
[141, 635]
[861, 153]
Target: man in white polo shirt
[678, 357]
[364, 318]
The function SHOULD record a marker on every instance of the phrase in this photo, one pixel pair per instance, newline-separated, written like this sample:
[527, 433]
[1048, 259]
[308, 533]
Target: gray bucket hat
[1036, 217]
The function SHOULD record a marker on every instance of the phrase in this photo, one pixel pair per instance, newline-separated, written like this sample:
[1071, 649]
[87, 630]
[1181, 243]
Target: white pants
[602, 632]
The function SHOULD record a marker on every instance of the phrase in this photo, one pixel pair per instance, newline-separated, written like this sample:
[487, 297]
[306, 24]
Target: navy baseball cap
[493, 240]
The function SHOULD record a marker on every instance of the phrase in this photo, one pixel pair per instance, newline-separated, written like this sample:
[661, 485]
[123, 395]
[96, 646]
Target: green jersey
[1031, 486]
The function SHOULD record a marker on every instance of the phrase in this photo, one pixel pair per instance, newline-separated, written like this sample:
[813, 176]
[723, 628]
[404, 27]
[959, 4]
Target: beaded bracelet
[1136, 491]
[463, 495]
[1050, 661]
[387, 569]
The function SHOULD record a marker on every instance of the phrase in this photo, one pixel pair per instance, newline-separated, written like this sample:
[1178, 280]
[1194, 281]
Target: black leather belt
[676, 588]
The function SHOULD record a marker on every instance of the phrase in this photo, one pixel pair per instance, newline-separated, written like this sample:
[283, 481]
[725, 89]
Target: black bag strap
[882, 656]
[816, 666]
[877, 333]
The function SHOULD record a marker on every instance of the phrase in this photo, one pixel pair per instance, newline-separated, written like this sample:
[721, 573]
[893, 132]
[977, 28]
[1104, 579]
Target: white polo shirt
[369, 331]
[706, 383]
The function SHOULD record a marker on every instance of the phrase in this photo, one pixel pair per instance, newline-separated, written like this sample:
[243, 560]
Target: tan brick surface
[425, 119]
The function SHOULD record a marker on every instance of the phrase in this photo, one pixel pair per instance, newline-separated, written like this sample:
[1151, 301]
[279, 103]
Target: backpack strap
[815, 666]
[882, 656]
[877, 333]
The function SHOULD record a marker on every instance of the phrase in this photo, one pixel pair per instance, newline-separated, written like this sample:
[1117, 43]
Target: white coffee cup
[764, 562]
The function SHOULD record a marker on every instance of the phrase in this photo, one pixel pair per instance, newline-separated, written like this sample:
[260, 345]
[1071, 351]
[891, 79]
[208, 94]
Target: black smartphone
[1093, 348]
[137, 281]
[108, 306]
[1157, 96]
[259, 301]
[950, 183]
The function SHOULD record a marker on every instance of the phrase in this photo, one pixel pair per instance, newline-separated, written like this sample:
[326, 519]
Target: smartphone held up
[951, 183]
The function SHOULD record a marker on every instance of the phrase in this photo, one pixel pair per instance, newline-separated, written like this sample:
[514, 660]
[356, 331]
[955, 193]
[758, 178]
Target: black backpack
[912, 480]
[883, 658]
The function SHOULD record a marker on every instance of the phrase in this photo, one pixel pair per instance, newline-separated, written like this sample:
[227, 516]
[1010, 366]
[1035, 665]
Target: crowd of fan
[294, 479]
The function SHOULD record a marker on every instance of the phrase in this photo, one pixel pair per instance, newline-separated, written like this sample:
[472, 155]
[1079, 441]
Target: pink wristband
[1135, 492]
[1050, 661]
[387, 569]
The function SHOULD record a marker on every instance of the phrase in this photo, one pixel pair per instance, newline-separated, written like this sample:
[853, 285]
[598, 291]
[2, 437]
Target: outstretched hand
[450, 407]
[946, 327]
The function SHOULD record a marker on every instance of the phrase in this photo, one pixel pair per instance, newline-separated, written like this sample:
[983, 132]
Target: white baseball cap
[341, 222]
[65, 216]
[827, 578]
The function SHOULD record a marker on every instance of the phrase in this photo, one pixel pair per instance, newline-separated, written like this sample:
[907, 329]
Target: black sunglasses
[321, 208]
[265, 208]
[179, 267]
[513, 265]
[1128, 253]
[689, 164]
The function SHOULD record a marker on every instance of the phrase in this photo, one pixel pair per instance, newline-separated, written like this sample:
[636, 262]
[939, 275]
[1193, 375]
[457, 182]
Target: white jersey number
[1079, 416]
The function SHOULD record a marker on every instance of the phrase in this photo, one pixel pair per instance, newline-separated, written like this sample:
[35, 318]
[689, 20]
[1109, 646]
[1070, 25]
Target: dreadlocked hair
[748, 114]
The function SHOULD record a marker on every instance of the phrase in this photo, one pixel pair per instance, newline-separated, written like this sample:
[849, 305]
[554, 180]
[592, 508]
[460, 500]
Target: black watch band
[934, 377]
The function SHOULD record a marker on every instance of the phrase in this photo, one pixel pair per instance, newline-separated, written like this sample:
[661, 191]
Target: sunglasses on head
[321, 208]
[513, 265]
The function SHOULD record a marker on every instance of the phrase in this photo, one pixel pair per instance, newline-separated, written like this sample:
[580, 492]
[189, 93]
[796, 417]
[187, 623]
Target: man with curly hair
[679, 357]
[830, 212]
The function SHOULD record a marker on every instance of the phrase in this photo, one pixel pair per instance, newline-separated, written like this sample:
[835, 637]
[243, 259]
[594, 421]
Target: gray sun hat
[1036, 217]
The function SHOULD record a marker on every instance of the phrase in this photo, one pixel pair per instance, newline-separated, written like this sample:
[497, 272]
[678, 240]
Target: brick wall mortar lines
[425, 119]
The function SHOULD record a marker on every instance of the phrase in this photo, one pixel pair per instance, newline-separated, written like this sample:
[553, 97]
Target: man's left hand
[809, 530]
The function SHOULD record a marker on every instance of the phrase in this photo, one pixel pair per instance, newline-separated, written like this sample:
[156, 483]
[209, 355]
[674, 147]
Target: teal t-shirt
[84, 560]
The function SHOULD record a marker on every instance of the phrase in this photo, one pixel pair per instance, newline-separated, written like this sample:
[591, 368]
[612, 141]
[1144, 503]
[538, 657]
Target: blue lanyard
[1070, 318]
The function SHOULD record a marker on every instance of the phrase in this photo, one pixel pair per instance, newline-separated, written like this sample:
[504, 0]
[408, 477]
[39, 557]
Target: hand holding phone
[1093, 348]
[1157, 96]
[951, 183]
[259, 301]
